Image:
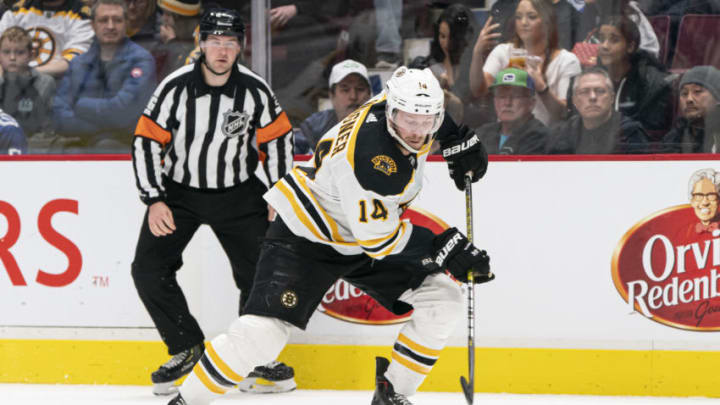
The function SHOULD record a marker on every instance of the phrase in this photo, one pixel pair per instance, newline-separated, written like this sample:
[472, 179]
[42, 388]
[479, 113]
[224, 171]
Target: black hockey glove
[454, 252]
[465, 154]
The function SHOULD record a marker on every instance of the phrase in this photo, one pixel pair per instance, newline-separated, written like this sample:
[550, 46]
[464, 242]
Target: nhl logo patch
[235, 123]
[384, 164]
[289, 299]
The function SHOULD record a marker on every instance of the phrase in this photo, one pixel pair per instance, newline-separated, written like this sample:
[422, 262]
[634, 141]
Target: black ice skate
[178, 400]
[384, 392]
[271, 378]
[179, 365]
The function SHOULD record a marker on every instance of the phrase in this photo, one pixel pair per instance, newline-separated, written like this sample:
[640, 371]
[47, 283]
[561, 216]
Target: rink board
[553, 322]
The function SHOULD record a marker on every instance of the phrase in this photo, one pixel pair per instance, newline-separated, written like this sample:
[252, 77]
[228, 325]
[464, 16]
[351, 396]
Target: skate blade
[263, 386]
[167, 388]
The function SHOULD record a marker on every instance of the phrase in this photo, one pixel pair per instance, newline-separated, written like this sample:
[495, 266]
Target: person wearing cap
[517, 131]
[597, 128]
[197, 147]
[697, 126]
[176, 38]
[103, 92]
[349, 89]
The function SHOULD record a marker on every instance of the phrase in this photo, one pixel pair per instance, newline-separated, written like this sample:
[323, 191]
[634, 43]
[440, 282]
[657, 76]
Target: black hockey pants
[237, 216]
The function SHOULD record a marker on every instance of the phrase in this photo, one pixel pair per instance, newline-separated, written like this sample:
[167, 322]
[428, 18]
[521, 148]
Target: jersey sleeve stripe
[275, 129]
[309, 207]
[296, 208]
[353, 137]
[70, 53]
[392, 247]
[385, 240]
[328, 219]
[366, 245]
[150, 129]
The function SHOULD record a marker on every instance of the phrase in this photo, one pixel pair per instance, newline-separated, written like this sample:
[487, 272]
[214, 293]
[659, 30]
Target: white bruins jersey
[360, 184]
[60, 33]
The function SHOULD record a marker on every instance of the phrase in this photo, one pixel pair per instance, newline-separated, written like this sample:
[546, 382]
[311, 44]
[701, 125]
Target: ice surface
[37, 394]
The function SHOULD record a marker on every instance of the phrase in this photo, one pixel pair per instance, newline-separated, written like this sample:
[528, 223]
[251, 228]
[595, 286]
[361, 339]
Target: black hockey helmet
[222, 21]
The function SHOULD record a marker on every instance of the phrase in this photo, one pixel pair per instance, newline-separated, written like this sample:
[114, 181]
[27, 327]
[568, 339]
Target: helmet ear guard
[413, 91]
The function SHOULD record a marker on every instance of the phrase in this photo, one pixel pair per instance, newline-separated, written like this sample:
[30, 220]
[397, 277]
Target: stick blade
[468, 389]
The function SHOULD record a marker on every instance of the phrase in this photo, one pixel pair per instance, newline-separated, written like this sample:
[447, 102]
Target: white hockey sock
[250, 341]
[438, 305]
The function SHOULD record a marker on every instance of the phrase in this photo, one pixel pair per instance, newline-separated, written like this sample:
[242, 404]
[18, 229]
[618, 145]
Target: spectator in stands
[517, 131]
[697, 126]
[177, 25]
[25, 93]
[643, 88]
[597, 128]
[142, 26]
[103, 93]
[596, 11]
[349, 89]
[60, 29]
[388, 44]
[12, 138]
[451, 35]
[567, 16]
[450, 38]
[550, 67]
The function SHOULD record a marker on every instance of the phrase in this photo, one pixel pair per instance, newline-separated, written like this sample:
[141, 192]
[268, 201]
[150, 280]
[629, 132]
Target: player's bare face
[14, 56]
[349, 94]
[704, 200]
[221, 52]
[414, 129]
[109, 24]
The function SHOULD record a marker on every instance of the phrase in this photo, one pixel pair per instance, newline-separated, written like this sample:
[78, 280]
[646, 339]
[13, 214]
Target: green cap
[514, 77]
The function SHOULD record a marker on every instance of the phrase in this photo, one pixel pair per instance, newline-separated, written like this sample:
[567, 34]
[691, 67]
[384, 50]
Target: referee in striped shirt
[196, 149]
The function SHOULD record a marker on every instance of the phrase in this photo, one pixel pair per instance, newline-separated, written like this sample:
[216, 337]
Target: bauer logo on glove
[454, 252]
[465, 155]
[462, 147]
[447, 249]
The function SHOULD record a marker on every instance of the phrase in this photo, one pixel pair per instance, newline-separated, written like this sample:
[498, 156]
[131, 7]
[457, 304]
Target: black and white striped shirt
[210, 137]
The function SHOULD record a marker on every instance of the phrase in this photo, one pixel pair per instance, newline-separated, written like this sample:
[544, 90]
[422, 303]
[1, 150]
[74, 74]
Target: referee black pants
[237, 216]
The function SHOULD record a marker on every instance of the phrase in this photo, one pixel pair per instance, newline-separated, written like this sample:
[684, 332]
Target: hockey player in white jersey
[341, 218]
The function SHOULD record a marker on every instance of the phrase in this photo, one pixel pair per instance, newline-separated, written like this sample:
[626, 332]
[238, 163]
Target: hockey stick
[468, 386]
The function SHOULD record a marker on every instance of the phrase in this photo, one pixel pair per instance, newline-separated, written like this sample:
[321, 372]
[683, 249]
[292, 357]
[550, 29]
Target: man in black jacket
[698, 100]
[597, 128]
[517, 131]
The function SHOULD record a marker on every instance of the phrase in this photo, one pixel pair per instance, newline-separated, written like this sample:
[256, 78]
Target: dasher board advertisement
[587, 254]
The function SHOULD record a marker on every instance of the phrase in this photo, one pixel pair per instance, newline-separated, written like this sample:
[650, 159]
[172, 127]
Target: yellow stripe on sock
[417, 347]
[207, 382]
[409, 364]
[235, 377]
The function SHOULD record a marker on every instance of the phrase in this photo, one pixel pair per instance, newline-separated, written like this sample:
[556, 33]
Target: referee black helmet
[222, 21]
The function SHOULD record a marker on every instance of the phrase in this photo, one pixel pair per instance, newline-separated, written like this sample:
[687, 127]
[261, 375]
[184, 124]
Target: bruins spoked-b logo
[235, 123]
[289, 299]
[384, 164]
